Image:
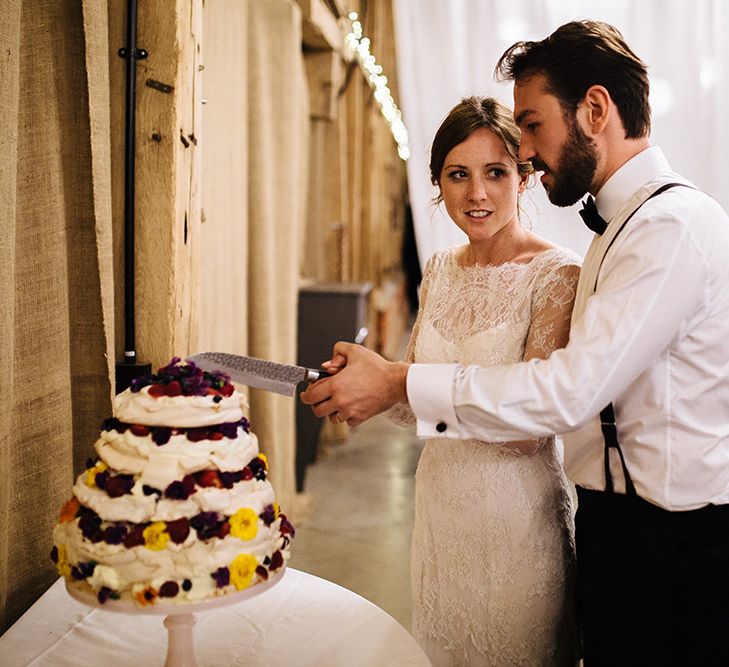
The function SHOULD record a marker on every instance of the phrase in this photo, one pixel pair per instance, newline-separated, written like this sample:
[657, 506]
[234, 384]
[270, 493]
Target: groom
[642, 386]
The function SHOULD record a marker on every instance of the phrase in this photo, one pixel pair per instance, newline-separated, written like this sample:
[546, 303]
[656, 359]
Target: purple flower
[229, 429]
[140, 382]
[115, 534]
[83, 570]
[227, 479]
[90, 525]
[258, 467]
[196, 385]
[103, 594]
[182, 489]
[100, 479]
[113, 424]
[116, 485]
[193, 381]
[221, 576]
[268, 516]
[206, 524]
[170, 369]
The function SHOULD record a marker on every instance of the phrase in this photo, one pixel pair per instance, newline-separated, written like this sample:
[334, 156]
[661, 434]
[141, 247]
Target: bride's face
[480, 185]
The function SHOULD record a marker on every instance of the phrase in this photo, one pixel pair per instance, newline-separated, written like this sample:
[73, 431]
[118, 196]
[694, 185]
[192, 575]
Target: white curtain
[447, 49]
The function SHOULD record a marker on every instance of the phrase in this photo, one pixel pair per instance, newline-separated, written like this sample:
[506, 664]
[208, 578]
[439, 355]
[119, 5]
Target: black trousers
[653, 585]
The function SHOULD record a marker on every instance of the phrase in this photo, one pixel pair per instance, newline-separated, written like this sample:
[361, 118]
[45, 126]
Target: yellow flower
[92, 472]
[156, 536]
[62, 564]
[244, 524]
[263, 458]
[242, 570]
[276, 509]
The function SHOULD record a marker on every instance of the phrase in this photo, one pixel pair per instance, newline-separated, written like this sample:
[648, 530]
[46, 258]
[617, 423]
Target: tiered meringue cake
[176, 506]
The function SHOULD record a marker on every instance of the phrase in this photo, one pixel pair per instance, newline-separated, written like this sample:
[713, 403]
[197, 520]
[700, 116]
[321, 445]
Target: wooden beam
[321, 29]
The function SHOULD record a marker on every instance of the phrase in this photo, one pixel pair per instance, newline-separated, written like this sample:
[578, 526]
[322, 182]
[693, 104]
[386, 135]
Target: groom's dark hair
[581, 54]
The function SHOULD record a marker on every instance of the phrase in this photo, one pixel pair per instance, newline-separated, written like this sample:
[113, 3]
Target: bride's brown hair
[471, 114]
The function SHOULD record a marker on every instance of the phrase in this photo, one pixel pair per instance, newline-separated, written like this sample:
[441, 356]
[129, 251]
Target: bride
[492, 550]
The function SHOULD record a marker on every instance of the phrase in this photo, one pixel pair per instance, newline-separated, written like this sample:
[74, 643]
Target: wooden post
[167, 173]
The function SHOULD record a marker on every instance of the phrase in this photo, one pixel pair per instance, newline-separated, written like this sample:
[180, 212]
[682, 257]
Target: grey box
[328, 312]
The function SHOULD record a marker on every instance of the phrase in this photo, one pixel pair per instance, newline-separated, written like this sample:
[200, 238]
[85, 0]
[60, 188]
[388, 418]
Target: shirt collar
[634, 174]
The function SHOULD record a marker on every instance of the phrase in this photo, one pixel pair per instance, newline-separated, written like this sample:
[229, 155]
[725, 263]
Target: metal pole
[130, 369]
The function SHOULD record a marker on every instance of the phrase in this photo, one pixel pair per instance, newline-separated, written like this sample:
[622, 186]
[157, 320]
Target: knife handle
[312, 375]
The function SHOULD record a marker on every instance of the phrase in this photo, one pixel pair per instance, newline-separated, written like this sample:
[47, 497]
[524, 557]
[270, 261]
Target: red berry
[169, 589]
[139, 429]
[173, 388]
[247, 474]
[197, 434]
[227, 390]
[188, 481]
[178, 530]
[223, 531]
[276, 561]
[118, 485]
[157, 390]
[135, 537]
[208, 478]
[216, 435]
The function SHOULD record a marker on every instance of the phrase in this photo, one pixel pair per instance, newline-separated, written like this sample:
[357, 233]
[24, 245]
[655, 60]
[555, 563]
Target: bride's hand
[335, 364]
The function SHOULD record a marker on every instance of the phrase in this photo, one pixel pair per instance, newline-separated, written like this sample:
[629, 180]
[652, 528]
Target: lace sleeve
[549, 328]
[400, 413]
[552, 310]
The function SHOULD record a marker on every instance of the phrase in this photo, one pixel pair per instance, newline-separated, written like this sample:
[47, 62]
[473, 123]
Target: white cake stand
[179, 618]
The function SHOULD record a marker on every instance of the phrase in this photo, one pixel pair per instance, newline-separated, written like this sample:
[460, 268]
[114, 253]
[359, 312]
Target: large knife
[258, 373]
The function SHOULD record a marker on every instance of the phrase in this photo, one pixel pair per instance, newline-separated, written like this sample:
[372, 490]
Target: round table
[302, 621]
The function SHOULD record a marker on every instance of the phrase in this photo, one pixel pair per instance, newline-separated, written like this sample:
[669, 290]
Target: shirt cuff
[430, 392]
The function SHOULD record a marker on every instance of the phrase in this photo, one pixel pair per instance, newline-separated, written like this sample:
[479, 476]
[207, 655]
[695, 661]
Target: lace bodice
[492, 545]
[491, 315]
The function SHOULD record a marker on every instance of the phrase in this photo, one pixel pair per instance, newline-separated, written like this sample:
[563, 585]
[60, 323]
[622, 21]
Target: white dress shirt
[653, 339]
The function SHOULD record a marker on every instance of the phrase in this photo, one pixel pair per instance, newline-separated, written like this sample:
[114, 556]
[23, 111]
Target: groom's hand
[366, 385]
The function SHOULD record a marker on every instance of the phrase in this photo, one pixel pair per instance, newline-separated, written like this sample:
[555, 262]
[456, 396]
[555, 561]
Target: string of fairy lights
[361, 47]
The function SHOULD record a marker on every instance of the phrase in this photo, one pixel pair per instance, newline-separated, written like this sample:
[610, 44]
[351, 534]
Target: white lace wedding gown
[492, 548]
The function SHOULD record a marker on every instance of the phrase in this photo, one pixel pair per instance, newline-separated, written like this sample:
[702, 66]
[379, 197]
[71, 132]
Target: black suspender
[607, 414]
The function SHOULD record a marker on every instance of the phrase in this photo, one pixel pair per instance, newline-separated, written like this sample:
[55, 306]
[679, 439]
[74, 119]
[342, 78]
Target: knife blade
[258, 373]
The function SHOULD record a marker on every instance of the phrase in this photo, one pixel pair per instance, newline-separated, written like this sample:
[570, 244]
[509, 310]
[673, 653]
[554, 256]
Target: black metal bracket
[139, 54]
[158, 85]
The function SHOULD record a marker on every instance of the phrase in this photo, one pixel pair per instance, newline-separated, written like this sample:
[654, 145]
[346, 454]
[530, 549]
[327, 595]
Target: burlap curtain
[55, 274]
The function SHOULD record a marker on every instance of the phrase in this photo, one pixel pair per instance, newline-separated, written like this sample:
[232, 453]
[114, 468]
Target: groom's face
[554, 142]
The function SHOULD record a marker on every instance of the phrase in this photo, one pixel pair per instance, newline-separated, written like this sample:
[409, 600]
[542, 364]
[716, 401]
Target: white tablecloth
[302, 621]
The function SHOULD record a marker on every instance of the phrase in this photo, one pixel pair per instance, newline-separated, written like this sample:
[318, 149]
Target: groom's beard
[576, 167]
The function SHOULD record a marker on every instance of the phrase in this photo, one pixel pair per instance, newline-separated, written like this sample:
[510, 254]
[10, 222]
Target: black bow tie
[591, 217]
